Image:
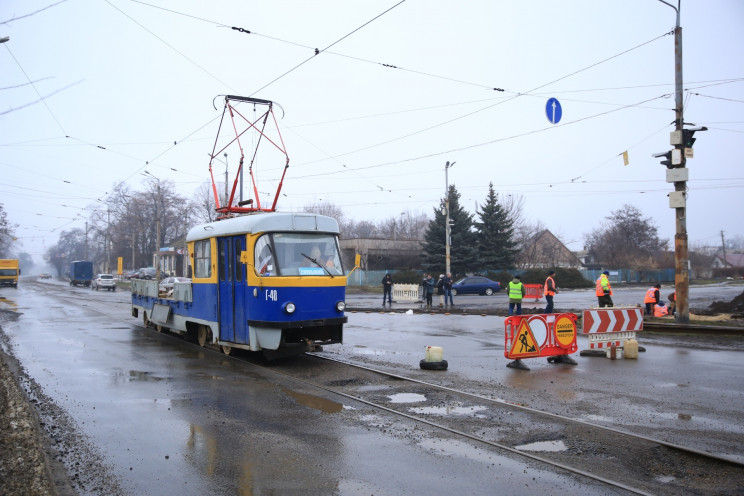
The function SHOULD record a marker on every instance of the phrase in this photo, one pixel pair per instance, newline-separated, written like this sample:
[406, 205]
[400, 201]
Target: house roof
[734, 259]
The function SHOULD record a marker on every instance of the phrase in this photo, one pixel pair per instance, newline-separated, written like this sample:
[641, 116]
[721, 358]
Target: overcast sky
[396, 90]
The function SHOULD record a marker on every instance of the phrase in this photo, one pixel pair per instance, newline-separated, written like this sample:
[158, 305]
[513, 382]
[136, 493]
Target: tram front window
[293, 254]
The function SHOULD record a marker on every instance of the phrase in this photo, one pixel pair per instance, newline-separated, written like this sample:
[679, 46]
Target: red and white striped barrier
[611, 326]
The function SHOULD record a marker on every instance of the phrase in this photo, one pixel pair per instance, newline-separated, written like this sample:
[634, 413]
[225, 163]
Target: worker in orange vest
[549, 291]
[660, 310]
[604, 290]
[652, 298]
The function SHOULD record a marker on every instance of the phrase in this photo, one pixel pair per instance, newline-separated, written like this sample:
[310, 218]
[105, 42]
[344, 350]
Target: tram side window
[202, 259]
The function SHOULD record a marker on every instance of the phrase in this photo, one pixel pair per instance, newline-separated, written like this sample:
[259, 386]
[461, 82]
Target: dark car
[146, 273]
[475, 285]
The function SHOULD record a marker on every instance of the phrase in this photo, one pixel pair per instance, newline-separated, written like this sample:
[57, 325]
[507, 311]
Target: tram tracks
[619, 459]
[611, 457]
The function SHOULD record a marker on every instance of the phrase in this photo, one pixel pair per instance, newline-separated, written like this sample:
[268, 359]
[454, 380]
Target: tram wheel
[160, 328]
[202, 335]
[145, 321]
[227, 350]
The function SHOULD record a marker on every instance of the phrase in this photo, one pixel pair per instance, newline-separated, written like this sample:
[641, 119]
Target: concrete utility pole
[681, 255]
[447, 229]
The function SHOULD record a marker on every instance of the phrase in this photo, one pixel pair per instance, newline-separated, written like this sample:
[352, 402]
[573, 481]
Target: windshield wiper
[318, 264]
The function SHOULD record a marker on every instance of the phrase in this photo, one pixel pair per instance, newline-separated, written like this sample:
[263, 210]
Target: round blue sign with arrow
[553, 110]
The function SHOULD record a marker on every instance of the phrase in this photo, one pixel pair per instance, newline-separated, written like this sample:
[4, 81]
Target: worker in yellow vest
[652, 298]
[604, 290]
[516, 293]
[549, 291]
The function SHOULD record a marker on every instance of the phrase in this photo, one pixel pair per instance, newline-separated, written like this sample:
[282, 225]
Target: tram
[261, 280]
[268, 281]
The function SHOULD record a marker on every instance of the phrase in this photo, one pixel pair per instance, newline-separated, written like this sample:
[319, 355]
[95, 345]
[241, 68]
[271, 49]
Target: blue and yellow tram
[268, 281]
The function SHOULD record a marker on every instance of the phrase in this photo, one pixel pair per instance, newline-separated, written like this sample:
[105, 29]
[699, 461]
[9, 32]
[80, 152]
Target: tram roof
[264, 222]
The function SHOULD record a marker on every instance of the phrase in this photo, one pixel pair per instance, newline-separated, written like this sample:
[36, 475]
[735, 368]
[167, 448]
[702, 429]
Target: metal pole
[157, 242]
[447, 217]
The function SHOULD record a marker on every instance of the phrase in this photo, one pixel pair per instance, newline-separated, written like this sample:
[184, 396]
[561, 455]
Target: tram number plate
[271, 295]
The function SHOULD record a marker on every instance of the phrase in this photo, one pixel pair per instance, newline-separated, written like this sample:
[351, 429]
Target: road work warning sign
[525, 344]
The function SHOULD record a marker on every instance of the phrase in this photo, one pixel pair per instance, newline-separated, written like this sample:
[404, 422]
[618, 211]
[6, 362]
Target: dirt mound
[735, 306]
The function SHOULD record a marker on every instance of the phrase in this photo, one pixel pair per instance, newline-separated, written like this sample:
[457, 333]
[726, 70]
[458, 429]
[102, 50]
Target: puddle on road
[315, 402]
[138, 375]
[407, 398]
[449, 410]
[551, 446]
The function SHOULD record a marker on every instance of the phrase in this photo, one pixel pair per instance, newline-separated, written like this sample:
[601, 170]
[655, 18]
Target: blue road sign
[553, 110]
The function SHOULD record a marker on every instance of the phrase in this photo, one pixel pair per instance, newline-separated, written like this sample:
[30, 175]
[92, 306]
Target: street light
[157, 239]
[447, 217]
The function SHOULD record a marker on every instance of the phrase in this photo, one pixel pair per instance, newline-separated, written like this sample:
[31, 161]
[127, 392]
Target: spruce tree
[463, 251]
[495, 235]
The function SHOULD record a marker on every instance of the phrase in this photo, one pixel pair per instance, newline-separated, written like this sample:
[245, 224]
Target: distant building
[381, 254]
[732, 260]
[545, 250]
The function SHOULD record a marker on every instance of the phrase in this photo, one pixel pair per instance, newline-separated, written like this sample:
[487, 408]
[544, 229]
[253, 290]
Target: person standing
[428, 290]
[516, 293]
[387, 289]
[448, 289]
[440, 289]
[652, 298]
[549, 291]
[604, 291]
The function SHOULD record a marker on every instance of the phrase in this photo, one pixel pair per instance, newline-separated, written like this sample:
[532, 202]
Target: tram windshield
[298, 254]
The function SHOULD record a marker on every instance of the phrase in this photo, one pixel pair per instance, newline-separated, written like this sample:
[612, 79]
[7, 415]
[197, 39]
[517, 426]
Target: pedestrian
[673, 303]
[440, 289]
[549, 291]
[604, 290]
[516, 293]
[428, 290]
[448, 289]
[652, 298]
[387, 289]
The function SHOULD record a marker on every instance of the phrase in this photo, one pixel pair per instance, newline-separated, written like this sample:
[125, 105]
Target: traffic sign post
[545, 335]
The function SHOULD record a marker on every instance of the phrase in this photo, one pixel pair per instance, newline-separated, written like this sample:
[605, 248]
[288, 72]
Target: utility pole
[723, 247]
[447, 228]
[157, 235]
[678, 199]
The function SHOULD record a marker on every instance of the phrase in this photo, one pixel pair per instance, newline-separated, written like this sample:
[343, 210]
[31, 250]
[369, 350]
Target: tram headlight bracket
[340, 306]
[289, 308]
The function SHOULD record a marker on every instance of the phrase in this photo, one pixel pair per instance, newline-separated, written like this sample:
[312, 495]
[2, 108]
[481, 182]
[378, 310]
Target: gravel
[41, 451]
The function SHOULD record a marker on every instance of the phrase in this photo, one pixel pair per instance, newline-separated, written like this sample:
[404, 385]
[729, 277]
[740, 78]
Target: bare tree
[204, 205]
[626, 239]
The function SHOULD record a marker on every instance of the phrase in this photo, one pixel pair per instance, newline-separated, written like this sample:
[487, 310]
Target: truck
[81, 273]
[9, 272]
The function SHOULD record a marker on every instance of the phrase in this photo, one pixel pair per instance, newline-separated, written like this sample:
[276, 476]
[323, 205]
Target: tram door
[232, 289]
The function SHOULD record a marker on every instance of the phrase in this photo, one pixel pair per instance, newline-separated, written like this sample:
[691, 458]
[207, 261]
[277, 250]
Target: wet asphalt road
[170, 418]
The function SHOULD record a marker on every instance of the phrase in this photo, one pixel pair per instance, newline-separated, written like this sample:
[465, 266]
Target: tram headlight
[290, 307]
[340, 306]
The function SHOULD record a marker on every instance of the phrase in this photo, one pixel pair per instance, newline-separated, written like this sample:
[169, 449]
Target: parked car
[476, 285]
[146, 273]
[166, 285]
[103, 281]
